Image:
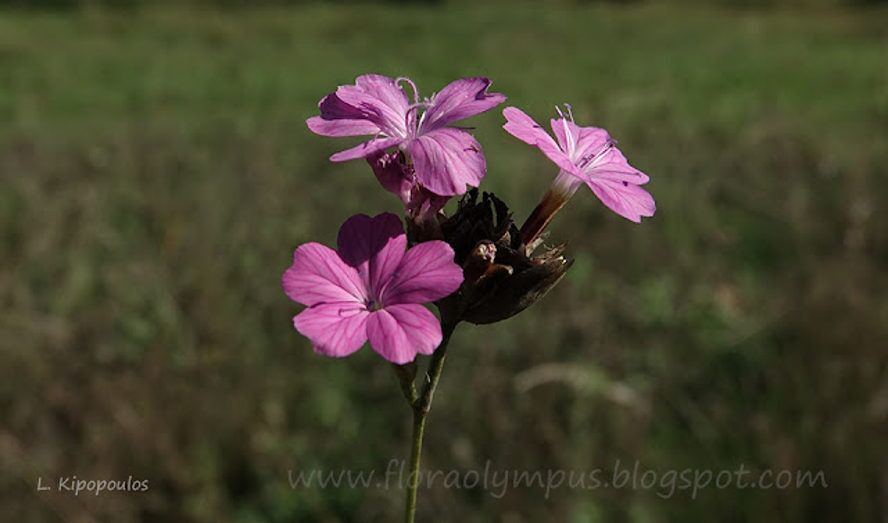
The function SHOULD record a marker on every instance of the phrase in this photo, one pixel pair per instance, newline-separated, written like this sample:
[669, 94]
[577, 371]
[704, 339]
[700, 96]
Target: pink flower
[445, 159]
[584, 155]
[371, 287]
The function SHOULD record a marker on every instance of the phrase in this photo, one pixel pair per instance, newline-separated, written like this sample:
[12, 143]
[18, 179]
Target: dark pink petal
[334, 108]
[399, 332]
[373, 246]
[629, 201]
[335, 329]
[426, 273]
[521, 126]
[365, 149]
[393, 174]
[340, 119]
[424, 204]
[459, 100]
[446, 160]
[319, 275]
[381, 99]
[341, 127]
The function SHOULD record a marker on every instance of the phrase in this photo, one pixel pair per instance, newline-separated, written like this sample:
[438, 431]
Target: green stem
[433, 374]
[413, 477]
[421, 407]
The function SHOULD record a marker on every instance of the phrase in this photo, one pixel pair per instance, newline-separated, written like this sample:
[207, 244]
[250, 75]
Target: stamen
[586, 160]
[412, 125]
[426, 103]
[570, 112]
[400, 79]
[569, 108]
[567, 134]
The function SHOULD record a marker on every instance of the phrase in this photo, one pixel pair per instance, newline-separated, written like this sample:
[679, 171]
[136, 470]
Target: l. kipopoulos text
[77, 486]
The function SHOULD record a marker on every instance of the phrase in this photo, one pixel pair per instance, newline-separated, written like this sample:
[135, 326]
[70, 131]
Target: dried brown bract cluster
[502, 276]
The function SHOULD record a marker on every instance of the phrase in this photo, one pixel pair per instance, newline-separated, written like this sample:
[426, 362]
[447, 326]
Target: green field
[156, 174]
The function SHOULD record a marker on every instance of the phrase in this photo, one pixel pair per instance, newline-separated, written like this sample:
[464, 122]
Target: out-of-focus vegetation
[40, 4]
[156, 174]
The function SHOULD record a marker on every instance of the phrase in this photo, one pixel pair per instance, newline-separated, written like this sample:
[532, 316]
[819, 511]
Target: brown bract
[502, 277]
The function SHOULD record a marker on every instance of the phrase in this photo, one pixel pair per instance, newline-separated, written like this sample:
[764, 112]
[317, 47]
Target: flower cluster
[475, 265]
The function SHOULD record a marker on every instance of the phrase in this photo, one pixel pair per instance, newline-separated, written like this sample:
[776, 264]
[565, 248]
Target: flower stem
[421, 407]
[413, 477]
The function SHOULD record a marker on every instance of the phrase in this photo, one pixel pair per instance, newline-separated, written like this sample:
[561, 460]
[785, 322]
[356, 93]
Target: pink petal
[381, 99]
[399, 332]
[426, 273]
[446, 160]
[334, 108]
[612, 165]
[365, 149]
[587, 141]
[424, 204]
[459, 100]
[340, 119]
[392, 174]
[318, 275]
[373, 246]
[523, 127]
[562, 128]
[629, 201]
[335, 329]
[324, 127]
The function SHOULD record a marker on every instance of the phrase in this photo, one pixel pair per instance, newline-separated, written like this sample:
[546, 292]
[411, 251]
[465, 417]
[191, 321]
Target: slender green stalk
[413, 477]
[433, 374]
[421, 406]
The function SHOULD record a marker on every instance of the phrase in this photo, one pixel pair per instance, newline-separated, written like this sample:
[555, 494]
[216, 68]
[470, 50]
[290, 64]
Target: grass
[156, 174]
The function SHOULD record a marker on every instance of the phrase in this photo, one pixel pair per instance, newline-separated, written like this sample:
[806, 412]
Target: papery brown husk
[500, 279]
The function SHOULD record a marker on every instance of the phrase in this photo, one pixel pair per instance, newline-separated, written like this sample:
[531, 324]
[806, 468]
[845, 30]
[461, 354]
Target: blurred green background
[156, 175]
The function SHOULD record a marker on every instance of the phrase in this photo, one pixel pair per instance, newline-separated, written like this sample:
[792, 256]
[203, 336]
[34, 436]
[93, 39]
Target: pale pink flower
[584, 155]
[373, 288]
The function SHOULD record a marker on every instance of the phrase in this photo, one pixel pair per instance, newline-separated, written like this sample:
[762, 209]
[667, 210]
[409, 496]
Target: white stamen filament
[409, 82]
[591, 159]
[413, 124]
[568, 137]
